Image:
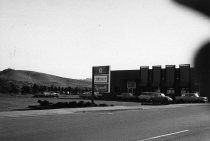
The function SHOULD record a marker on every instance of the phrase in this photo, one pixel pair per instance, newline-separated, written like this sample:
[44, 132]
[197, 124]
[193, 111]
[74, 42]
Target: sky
[67, 37]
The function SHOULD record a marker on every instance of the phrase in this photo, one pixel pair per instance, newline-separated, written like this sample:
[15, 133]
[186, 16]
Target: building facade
[168, 80]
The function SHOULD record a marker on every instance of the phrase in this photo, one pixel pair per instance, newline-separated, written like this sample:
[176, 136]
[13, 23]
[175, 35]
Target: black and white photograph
[104, 70]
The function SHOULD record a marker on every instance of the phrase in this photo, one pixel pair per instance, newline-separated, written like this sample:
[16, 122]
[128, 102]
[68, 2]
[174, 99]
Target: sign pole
[92, 98]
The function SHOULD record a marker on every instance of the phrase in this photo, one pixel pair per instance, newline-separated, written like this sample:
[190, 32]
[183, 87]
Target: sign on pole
[101, 79]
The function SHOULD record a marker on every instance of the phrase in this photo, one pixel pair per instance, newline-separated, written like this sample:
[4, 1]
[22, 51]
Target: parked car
[190, 98]
[126, 96]
[46, 94]
[88, 95]
[155, 98]
[171, 93]
[145, 96]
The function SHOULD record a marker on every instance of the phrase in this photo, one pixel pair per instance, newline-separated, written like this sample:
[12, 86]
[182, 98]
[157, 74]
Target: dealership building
[168, 80]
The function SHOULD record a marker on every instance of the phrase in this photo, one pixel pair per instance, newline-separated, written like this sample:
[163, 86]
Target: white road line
[164, 135]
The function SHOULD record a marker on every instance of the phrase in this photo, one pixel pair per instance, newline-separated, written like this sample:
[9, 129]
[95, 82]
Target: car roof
[151, 93]
[125, 93]
[190, 93]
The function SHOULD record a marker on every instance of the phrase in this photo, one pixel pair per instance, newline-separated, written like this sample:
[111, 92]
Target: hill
[23, 77]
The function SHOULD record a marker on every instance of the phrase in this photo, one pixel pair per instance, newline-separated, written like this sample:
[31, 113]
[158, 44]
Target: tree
[13, 88]
[35, 88]
[25, 89]
[43, 88]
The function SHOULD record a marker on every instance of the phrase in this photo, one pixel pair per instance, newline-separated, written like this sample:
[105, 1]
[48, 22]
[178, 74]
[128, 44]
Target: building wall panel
[156, 73]
[144, 76]
[184, 78]
[170, 75]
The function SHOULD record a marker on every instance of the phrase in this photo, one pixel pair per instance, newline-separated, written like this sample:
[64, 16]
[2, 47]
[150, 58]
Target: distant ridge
[23, 77]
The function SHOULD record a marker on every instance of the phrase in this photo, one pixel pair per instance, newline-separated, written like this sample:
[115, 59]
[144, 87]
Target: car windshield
[191, 94]
[147, 93]
[195, 95]
[184, 94]
[162, 94]
[126, 94]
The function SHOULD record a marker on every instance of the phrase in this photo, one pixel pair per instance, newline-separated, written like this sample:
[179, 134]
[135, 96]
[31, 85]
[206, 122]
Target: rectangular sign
[101, 79]
[101, 88]
[131, 84]
[101, 70]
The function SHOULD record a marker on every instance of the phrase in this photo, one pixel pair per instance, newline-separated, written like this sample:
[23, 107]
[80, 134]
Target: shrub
[46, 104]
[103, 105]
[73, 104]
[43, 103]
[87, 104]
[81, 104]
[60, 105]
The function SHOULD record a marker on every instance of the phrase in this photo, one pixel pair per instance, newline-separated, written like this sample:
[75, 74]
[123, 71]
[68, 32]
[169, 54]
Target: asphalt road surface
[191, 123]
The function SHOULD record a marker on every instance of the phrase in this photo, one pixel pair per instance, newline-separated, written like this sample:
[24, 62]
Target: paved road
[191, 123]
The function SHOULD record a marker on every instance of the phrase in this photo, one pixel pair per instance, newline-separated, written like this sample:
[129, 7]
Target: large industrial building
[169, 80]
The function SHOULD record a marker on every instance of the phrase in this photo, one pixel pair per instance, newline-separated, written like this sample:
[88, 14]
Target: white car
[191, 98]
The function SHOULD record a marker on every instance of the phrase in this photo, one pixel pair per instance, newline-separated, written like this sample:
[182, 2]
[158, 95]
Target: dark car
[155, 98]
[126, 96]
[145, 96]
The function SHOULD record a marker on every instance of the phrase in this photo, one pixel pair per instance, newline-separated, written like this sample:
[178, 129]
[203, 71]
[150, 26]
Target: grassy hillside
[20, 77]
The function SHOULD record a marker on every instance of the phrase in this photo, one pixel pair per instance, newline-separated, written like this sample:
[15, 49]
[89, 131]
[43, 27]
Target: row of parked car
[88, 95]
[160, 98]
[153, 97]
[46, 94]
